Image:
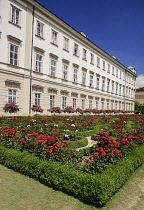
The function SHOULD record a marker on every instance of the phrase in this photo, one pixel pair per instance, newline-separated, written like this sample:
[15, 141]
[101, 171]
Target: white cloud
[140, 81]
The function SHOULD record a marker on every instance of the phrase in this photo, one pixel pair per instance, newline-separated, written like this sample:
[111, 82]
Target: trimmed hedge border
[92, 189]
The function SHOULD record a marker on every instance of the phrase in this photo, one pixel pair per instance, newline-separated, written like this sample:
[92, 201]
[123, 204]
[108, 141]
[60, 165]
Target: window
[119, 105]
[75, 75]
[13, 54]
[112, 91]
[108, 85]
[113, 73]
[38, 63]
[108, 68]
[74, 103]
[123, 76]
[103, 84]
[64, 102]
[123, 90]
[39, 29]
[84, 78]
[119, 89]
[90, 104]
[76, 49]
[102, 103]
[96, 104]
[97, 82]
[53, 67]
[65, 71]
[108, 106]
[83, 104]
[116, 88]
[37, 98]
[98, 62]
[92, 59]
[112, 105]
[66, 44]
[15, 18]
[84, 54]
[91, 80]
[52, 101]
[116, 72]
[103, 65]
[12, 96]
[120, 75]
[116, 105]
[54, 37]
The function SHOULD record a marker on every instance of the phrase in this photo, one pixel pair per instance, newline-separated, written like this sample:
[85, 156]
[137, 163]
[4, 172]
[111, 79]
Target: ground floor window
[12, 96]
[74, 103]
[37, 99]
[64, 102]
[52, 101]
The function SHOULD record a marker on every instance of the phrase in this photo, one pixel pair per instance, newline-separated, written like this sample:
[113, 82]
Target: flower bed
[51, 139]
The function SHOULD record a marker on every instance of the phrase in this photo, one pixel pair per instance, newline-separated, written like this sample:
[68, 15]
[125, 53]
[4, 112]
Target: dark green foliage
[139, 107]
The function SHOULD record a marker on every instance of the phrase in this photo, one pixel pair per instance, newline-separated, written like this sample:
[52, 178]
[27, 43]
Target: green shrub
[79, 143]
[93, 189]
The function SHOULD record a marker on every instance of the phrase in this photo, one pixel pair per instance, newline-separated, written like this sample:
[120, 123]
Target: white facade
[44, 61]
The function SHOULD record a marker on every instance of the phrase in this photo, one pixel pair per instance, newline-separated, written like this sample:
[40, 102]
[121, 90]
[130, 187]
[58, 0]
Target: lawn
[21, 192]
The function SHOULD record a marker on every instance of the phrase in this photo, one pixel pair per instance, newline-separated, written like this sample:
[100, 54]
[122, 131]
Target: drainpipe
[30, 93]
[125, 92]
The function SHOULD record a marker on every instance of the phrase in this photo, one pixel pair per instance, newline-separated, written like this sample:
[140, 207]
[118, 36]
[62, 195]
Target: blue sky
[116, 26]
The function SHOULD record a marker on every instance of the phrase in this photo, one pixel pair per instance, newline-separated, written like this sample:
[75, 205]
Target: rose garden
[53, 149]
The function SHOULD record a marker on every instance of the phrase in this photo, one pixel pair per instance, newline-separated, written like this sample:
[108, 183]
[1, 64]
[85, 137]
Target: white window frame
[65, 71]
[38, 62]
[40, 27]
[75, 74]
[108, 68]
[97, 103]
[113, 70]
[37, 99]
[64, 102]
[97, 82]
[74, 100]
[15, 15]
[84, 54]
[76, 49]
[116, 72]
[14, 54]
[54, 37]
[90, 104]
[98, 62]
[83, 104]
[66, 44]
[83, 77]
[51, 101]
[116, 88]
[53, 64]
[103, 65]
[108, 85]
[103, 84]
[92, 58]
[11, 97]
[91, 80]
[102, 105]
[112, 87]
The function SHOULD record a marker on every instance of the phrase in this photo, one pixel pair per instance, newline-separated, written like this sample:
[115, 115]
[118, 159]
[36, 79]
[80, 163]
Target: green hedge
[79, 143]
[93, 189]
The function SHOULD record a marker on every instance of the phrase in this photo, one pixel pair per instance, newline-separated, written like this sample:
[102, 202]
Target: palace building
[45, 61]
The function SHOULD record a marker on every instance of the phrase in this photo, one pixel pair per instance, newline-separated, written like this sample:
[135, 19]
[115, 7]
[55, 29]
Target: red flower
[111, 154]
